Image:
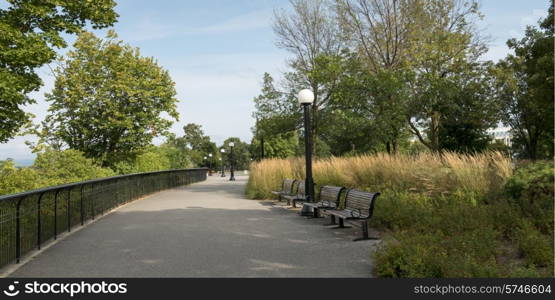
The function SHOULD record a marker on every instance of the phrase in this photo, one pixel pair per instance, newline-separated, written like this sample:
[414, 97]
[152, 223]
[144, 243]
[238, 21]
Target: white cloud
[249, 21]
[149, 29]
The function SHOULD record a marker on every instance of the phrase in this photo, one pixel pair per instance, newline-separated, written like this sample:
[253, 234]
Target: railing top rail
[74, 184]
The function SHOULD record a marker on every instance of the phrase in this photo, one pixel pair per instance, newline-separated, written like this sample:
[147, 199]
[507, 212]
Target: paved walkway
[206, 229]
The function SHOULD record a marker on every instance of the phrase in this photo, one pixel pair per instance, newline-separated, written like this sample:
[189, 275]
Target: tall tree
[108, 101]
[200, 144]
[308, 32]
[381, 30]
[241, 155]
[525, 85]
[29, 33]
[444, 53]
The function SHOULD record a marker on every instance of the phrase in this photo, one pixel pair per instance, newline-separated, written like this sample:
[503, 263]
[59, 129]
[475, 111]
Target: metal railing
[29, 219]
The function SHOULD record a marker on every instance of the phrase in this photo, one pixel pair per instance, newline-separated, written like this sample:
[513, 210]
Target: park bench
[329, 199]
[286, 188]
[359, 206]
[299, 196]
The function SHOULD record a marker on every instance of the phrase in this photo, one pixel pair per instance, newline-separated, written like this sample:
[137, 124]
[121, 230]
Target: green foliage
[525, 86]
[61, 167]
[280, 146]
[30, 30]
[536, 248]
[195, 145]
[14, 180]
[241, 155]
[153, 159]
[50, 168]
[531, 189]
[452, 238]
[108, 100]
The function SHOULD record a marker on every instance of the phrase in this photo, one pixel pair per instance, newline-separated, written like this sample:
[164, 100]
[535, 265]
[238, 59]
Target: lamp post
[223, 166]
[210, 164]
[231, 162]
[306, 98]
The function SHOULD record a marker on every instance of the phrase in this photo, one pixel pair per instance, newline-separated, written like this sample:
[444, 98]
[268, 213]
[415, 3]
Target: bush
[536, 248]
[50, 168]
[436, 254]
[61, 167]
[531, 189]
[14, 180]
[150, 161]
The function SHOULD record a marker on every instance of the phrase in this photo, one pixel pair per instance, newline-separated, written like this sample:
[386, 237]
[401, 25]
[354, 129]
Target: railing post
[38, 221]
[56, 214]
[81, 206]
[68, 207]
[92, 201]
[18, 230]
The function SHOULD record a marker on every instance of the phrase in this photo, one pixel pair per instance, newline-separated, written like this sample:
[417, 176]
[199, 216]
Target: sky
[216, 51]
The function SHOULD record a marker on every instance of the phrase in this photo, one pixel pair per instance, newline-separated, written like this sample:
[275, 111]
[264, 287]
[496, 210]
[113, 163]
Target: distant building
[502, 134]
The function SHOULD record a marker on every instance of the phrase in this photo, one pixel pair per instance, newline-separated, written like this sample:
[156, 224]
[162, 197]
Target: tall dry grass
[429, 174]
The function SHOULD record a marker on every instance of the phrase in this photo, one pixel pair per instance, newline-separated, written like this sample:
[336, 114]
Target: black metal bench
[329, 199]
[299, 196]
[359, 205]
[286, 188]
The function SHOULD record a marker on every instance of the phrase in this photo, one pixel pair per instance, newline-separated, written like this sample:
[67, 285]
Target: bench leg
[332, 221]
[294, 203]
[365, 233]
[342, 224]
[315, 213]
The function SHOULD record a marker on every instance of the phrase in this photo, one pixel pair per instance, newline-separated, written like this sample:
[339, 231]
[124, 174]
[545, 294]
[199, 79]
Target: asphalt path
[207, 229]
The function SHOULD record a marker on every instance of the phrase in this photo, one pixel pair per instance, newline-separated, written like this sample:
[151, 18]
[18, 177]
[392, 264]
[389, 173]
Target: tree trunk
[434, 132]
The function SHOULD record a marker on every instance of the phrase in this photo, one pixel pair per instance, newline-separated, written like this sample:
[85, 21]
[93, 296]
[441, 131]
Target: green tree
[525, 86]
[241, 154]
[195, 145]
[29, 33]
[308, 31]
[275, 111]
[14, 180]
[447, 79]
[382, 32]
[150, 159]
[60, 167]
[278, 146]
[108, 101]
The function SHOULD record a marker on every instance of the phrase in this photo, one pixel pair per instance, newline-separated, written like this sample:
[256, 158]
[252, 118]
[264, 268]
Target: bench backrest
[360, 203]
[329, 195]
[288, 186]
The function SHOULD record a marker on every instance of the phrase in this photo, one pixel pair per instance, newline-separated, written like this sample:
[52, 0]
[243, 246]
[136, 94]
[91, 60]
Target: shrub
[14, 180]
[149, 161]
[61, 167]
[436, 254]
[50, 168]
[531, 189]
[535, 247]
